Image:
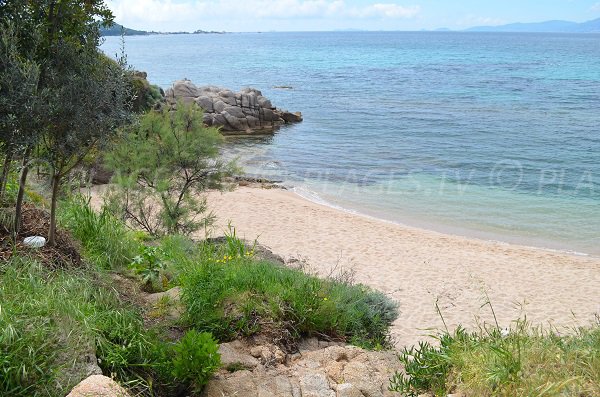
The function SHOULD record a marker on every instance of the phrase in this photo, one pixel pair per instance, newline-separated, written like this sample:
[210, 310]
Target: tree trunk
[21, 194]
[5, 171]
[55, 191]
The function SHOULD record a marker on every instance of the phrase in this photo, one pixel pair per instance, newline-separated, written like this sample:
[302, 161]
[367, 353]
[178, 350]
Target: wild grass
[107, 242]
[55, 326]
[523, 362]
[230, 293]
[52, 323]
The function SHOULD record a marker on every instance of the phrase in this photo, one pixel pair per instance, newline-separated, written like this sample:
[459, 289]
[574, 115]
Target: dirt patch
[35, 222]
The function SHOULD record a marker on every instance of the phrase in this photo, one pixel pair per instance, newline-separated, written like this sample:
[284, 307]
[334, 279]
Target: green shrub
[229, 293]
[195, 358]
[522, 362]
[149, 265]
[106, 240]
[426, 367]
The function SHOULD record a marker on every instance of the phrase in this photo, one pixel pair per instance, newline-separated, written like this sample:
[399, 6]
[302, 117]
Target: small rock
[98, 386]
[173, 294]
[34, 241]
[309, 344]
[256, 351]
[232, 354]
[315, 385]
[348, 390]
[290, 117]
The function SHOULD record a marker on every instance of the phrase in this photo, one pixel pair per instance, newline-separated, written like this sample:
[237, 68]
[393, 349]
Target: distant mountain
[116, 30]
[547, 26]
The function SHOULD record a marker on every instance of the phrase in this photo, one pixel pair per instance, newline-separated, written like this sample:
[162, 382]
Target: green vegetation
[234, 296]
[60, 97]
[523, 362]
[149, 266]
[89, 103]
[106, 241]
[195, 358]
[146, 96]
[162, 166]
[51, 323]
[115, 29]
[62, 104]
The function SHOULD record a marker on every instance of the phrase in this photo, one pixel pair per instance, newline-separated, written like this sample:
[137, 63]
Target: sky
[325, 15]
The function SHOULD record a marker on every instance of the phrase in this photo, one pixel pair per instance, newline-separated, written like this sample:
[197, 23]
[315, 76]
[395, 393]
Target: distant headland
[117, 30]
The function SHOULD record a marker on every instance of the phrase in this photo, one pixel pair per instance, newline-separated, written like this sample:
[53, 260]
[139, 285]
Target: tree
[21, 109]
[19, 78]
[90, 102]
[161, 168]
[53, 31]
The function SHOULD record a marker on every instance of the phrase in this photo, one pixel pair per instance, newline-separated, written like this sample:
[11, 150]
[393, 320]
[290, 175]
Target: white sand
[417, 267]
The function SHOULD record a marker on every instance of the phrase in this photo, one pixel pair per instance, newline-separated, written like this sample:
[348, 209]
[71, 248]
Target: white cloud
[383, 10]
[141, 13]
[475, 20]
[595, 7]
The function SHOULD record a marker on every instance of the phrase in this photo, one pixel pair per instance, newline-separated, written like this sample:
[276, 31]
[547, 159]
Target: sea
[486, 135]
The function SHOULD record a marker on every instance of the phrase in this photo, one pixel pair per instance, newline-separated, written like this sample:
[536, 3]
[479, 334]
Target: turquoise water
[494, 135]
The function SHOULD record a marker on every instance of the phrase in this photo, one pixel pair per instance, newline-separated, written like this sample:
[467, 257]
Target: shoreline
[417, 267]
[452, 230]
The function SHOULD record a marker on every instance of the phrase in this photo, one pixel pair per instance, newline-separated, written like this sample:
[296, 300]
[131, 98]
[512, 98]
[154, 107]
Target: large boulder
[247, 111]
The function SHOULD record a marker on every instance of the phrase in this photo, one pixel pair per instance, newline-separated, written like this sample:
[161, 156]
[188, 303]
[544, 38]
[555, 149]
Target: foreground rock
[247, 111]
[98, 386]
[334, 371]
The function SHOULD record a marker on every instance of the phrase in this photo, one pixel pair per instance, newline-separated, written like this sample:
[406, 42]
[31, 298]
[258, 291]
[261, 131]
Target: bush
[231, 294]
[106, 240]
[149, 265]
[195, 358]
[522, 362]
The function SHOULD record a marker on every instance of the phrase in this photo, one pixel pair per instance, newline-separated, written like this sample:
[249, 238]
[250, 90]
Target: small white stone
[34, 241]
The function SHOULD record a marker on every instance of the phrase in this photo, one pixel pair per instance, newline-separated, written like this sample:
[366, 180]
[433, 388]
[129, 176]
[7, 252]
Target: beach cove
[419, 268]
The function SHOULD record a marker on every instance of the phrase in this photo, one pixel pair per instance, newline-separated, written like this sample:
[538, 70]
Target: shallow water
[494, 135]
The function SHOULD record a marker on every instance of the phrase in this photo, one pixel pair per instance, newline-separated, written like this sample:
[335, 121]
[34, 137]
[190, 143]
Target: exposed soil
[35, 222]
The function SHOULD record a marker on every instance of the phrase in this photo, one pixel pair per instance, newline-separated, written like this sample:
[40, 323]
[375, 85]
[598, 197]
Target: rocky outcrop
[333, 371]
[98, 386]
[247, 111]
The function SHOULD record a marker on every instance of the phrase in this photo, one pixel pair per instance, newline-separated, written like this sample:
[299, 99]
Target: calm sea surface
[480, 134]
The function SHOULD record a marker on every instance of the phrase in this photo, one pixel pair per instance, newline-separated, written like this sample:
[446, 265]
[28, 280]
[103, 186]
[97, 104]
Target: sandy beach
[417, 267]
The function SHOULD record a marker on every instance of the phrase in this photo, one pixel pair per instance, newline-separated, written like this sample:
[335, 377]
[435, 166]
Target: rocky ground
[258, 368]
[319, 369]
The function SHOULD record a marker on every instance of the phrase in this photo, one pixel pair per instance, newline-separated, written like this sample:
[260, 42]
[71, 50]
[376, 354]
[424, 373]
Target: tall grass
[523, 362]
[52, 324]
[108, 243]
